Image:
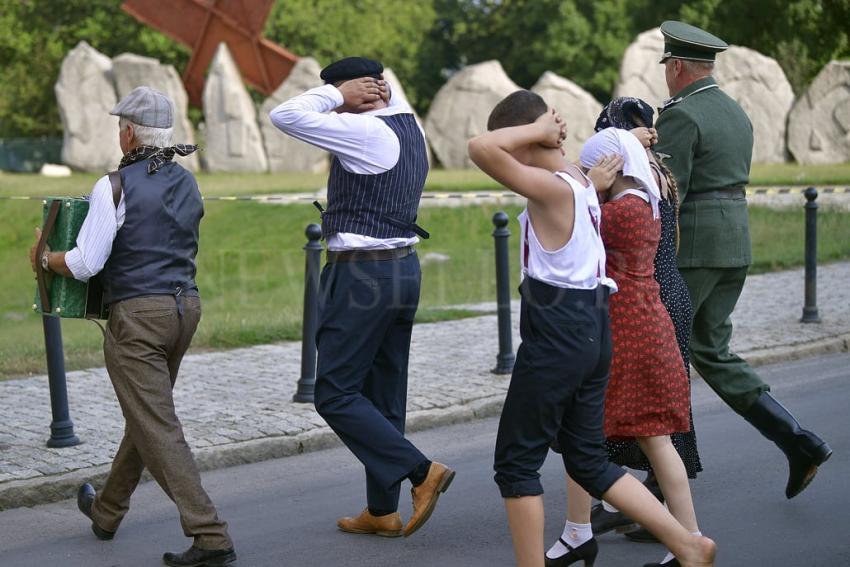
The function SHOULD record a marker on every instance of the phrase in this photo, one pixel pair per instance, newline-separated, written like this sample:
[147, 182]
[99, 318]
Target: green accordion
[57, 295]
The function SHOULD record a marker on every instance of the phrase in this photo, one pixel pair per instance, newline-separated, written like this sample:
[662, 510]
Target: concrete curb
[47, 489]
[785, 353]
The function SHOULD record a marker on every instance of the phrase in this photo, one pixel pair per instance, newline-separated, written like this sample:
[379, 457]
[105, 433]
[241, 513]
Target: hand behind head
[604, 173]
[553, 129]
[363, 94]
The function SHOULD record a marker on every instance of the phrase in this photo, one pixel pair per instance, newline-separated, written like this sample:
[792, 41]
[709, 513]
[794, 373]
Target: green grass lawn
[250, 272]
[251, 262]
[223, 184]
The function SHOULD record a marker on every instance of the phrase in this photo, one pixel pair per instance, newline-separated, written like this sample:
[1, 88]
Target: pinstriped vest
[380, 205]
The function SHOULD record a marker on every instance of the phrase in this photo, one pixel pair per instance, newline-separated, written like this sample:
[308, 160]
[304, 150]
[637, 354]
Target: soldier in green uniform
[708, 141]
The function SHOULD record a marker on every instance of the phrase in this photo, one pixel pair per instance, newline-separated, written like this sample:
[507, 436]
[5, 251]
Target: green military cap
[684, 41]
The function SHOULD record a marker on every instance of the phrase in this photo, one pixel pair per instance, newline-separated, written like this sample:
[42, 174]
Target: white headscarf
[613, 141]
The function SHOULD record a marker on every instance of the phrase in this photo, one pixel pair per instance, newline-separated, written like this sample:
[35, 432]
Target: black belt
[370, 255]
[734, 193]
[545, 294]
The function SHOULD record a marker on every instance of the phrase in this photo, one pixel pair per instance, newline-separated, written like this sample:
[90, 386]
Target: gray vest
[154, 250]
[382, 205]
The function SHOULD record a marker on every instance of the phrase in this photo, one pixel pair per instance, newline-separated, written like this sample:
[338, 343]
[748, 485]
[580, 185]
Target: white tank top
[578, 264]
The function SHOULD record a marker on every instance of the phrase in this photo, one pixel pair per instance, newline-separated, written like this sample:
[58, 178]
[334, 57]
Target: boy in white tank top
[558, 384]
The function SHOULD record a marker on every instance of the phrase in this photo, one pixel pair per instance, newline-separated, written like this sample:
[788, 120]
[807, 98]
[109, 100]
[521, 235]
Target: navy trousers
[557, 389]
[366, 312]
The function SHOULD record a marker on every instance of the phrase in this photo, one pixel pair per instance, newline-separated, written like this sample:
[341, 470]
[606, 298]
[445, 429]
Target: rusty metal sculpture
[203, 24]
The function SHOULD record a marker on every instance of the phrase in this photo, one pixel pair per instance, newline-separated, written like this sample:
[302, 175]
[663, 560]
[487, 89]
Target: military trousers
[146, 338]
[714, 293]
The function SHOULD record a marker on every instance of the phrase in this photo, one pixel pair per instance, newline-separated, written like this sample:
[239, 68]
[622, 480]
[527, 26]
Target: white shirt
[94, 242]
[364, 144]
[578, 264]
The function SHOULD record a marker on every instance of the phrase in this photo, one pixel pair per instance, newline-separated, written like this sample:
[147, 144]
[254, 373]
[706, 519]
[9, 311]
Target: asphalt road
[282, 513]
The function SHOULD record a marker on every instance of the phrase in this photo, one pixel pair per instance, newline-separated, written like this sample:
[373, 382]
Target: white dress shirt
[363, 143]
[94, 242]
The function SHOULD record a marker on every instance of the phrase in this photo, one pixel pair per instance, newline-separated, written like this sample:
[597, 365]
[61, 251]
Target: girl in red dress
[648, 395]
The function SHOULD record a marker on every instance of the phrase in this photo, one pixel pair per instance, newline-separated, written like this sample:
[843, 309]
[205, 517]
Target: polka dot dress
[676, 300]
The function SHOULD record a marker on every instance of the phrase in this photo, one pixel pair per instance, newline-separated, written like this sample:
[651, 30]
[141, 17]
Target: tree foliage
[424, 41]
[391, 31]
[35, 35]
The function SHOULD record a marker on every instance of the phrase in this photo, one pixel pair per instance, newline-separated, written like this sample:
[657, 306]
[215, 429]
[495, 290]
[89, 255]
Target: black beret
[351, 68]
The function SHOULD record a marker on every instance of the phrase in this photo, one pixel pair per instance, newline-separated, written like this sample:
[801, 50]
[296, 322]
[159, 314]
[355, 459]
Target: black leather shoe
[85, 498]
[804, 450]
[586, 551]
[672, 563]
[197, 557]
[641, 535]
[602, 521]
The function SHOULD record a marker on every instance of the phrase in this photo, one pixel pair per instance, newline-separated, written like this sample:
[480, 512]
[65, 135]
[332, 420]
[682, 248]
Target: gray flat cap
[146, 107]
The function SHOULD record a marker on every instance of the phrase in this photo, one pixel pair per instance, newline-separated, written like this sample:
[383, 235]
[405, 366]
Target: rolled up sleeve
[94, 242]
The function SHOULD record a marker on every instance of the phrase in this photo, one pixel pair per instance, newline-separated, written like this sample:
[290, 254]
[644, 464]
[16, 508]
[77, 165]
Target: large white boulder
[577, 107]
[130, 71]
[232, 140]
[760, 86]
[819, 123]
[284, 152]
[641, 75]
[85, 95]
[460, 110]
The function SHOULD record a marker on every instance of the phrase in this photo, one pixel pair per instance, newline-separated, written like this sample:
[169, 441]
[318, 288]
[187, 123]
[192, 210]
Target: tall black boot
[805, 450]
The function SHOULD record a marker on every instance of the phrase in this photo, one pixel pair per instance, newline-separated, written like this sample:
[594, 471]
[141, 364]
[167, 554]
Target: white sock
[608, 507]
[670, 557]
[574, 535]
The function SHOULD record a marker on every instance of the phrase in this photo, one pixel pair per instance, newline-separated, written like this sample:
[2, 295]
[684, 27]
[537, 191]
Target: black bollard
[313, 253]
[810, 307]
[505, 358]
[61, 428]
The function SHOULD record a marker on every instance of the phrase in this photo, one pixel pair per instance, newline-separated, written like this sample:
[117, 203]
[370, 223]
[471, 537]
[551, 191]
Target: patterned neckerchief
[158, 156]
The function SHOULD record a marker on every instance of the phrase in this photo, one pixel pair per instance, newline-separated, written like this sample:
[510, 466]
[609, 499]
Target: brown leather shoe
[425, 495]
[366, 523]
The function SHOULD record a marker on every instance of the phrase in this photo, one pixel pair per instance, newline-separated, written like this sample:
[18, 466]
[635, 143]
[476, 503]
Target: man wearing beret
[369, 289]
[141, 235]
[709, 140]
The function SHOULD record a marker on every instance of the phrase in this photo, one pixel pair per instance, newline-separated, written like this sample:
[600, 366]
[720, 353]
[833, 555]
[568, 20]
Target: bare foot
[701, 553]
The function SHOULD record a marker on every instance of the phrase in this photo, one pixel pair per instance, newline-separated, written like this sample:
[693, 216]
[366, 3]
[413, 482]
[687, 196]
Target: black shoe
[602, 521]
[805, 450]
[85, 498]
[586, 551]
[672, 563]
[197, 557]
[642, 535]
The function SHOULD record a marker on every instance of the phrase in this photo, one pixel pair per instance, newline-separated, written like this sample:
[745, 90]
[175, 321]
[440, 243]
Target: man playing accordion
[141, 236]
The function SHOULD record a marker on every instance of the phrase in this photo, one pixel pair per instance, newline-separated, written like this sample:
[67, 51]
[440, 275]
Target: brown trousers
[146, 338]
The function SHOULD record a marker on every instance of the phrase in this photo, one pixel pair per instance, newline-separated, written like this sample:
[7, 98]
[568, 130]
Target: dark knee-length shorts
[557, 389]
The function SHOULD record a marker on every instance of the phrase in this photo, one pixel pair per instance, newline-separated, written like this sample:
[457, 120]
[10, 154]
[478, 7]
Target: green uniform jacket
[709, 141]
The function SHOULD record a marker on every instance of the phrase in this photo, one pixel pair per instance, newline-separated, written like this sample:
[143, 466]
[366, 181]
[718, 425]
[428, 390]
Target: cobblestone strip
[236, 405]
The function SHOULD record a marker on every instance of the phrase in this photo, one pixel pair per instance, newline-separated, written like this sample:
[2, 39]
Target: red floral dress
[648, 391]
